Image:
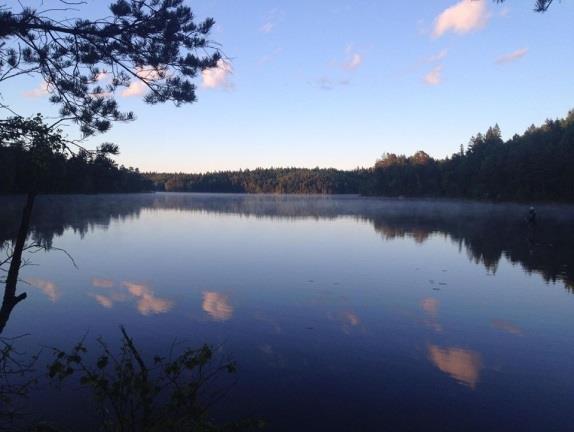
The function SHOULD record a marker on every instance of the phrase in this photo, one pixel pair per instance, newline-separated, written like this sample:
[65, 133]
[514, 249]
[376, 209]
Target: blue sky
[338, 83]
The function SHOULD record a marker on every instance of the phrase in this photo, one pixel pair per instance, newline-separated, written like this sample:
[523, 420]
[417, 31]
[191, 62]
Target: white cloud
[44, 89]
[422, 27]
[272, 18]
[441, 55]
[434, 77]
[504, 12]
[40, 91]
[138, 87]
[269, 57]
[326, 83]
[463, 17]
[513, 56]
[354, 61]
[218, 77]
[102, 76]
[267, 27]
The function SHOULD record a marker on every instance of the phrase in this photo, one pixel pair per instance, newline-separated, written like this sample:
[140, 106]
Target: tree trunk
[10, 298]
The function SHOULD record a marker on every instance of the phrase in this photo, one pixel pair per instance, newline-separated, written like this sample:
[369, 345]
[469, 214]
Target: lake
[343, 313]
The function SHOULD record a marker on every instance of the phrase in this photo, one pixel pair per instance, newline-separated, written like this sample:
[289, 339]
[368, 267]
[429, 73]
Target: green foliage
[161, 394]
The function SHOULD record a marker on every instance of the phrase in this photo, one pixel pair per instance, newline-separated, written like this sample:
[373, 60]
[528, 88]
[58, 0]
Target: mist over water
[343, 312]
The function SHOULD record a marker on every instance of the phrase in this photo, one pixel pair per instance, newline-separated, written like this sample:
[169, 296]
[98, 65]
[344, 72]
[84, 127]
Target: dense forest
[536, 165]
[81, 173]
[35, 158]
[271, 180]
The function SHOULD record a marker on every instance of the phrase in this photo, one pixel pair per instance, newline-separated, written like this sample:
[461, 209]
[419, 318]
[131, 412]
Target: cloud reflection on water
[102, 283]
[103, 300]
[49, 288]
[506, 326]
[351, 318]
[217, 305]
[147, 303]
[461, 364]
[430, 306]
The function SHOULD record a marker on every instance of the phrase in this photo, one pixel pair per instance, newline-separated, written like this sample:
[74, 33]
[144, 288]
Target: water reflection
[105, 301]
[488, 232]
[430, 306]
[217, 305]
[461, 364]
[147, 303]
[49, 288]
[506, 326]
[325, 314]
[351, 318]
[102, 283]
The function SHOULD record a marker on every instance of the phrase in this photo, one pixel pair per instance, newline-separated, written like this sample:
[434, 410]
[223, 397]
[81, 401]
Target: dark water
[343, 313]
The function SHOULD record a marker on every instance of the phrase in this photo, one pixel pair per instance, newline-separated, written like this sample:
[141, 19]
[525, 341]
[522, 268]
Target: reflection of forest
[486, 231]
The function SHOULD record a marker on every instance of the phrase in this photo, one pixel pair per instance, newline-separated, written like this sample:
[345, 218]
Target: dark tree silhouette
[533, 166]
[271, 180]
[539, 6]
[41, 144]
[10, 299]
[155, 42]
[36, 158]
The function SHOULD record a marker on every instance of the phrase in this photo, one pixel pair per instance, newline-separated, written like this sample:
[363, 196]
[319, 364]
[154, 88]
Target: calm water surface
[343, 313]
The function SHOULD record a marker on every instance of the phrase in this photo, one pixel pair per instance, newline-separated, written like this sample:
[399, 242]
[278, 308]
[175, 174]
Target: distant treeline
[537, 165]
[42, 170]
[269, 180]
